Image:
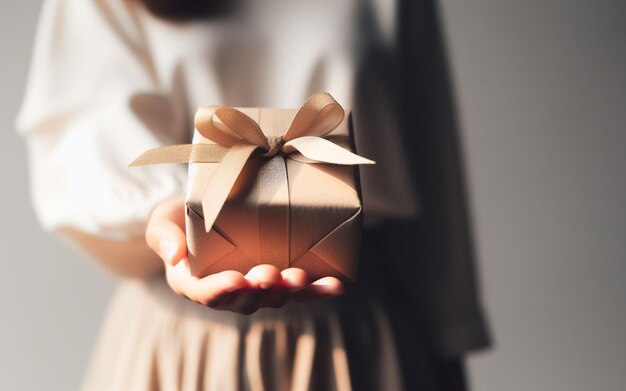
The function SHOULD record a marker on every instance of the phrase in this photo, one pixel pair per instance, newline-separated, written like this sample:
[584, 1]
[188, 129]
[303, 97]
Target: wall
[541, 87]
[51, 300]
[542, 98]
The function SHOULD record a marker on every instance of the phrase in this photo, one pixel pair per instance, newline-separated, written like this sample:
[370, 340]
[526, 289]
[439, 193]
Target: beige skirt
[152, 339]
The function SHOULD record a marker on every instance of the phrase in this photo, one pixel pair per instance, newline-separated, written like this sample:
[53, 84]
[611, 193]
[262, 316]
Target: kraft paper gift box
[271, 186]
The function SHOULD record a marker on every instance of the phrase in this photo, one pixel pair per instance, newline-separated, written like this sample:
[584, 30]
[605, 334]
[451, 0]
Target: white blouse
[108, 80]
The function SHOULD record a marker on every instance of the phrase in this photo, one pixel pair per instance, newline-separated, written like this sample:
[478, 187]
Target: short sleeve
[92, 104]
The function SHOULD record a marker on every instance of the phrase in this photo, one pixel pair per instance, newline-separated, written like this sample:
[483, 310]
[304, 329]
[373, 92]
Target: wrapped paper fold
[275, 186]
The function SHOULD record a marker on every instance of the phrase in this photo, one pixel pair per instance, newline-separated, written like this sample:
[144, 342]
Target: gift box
[271, 186]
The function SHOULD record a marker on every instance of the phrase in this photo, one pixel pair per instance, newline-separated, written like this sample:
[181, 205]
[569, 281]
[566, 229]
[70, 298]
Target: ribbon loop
[227, 126]
[317, 116]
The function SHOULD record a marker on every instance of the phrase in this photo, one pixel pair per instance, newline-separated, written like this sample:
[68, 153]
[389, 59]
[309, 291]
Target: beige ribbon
[238, 138]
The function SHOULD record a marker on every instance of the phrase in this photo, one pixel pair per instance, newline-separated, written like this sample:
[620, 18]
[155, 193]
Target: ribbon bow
[238, 138]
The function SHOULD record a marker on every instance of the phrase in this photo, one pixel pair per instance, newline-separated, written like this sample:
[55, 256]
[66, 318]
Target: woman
[111, 78]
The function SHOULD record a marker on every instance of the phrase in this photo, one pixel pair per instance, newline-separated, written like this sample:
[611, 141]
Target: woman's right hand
[262, 286]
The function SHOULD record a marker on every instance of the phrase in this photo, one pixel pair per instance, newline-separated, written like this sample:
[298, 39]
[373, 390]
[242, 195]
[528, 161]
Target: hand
[262, 286]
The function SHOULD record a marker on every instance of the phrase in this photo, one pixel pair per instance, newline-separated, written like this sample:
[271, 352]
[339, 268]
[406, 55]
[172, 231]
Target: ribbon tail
[168, 154]
[183, 153]
[320, 150]
[223, 180]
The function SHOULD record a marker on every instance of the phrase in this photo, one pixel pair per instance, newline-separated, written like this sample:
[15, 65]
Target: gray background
[541, 87]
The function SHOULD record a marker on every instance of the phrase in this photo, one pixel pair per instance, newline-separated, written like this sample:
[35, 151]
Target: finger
[277, 298]
[205, 290]
[263, 276]
[328, 286]
[294, 279]
[247, 300]
[172, 209]
[165, 232]
[324, 287]
[261, 280]
[291, 280]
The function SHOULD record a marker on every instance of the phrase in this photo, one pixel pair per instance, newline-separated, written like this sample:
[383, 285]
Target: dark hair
[184, 10]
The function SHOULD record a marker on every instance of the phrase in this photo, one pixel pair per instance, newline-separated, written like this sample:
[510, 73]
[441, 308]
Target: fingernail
[266, 285]
[167, 249]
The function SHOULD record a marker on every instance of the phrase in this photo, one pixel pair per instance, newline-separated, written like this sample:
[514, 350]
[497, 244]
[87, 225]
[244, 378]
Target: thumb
[165, 233]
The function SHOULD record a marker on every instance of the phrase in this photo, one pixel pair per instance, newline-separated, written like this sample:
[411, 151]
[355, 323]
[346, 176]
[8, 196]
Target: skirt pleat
[152, 339]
